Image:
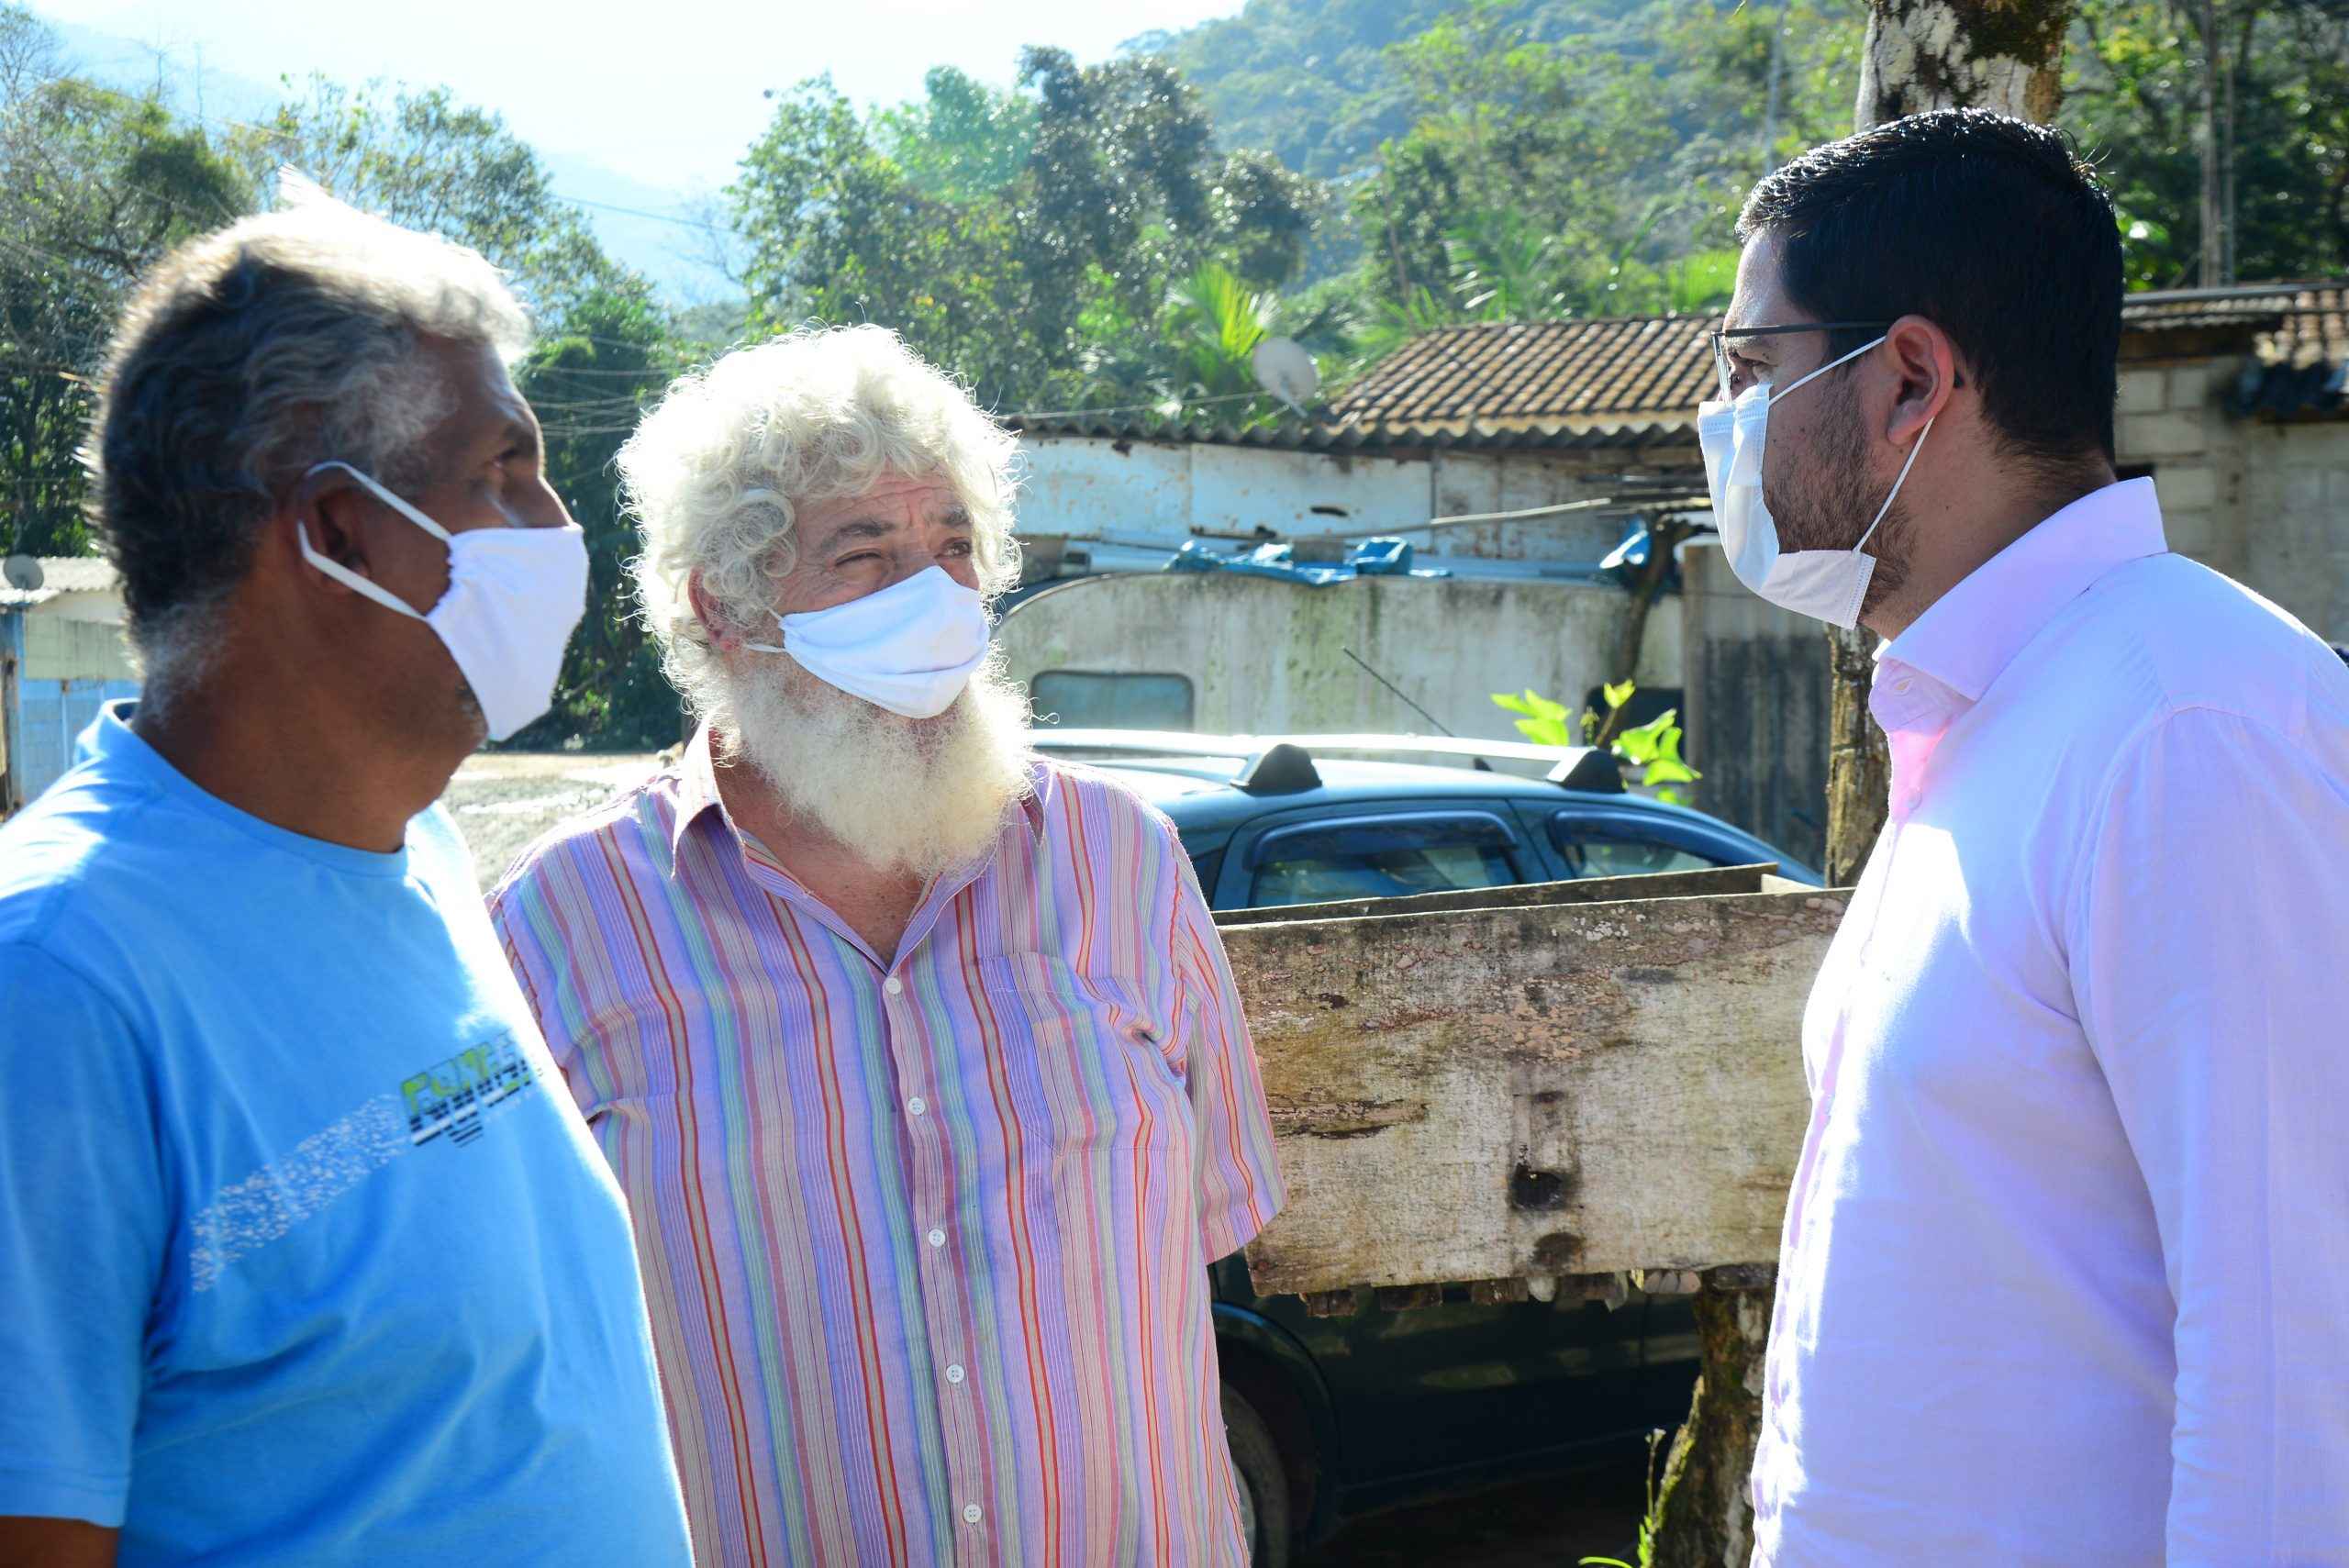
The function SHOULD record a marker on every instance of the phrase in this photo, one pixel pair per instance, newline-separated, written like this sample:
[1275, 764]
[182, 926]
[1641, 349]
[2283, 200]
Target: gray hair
[715, 474]
[245, 357]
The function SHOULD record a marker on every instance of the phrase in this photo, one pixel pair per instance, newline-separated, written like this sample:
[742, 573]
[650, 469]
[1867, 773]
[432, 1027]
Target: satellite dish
[1285, 370]
[23, 572]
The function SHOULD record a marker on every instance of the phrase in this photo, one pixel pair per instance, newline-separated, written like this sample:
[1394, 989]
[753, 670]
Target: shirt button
[892, 985]
[972, 1514]
[916, 1106]
[954, 1374]
[937, 1238]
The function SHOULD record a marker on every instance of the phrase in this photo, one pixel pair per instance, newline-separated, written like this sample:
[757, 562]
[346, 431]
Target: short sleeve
[82, 1219]
[1239, 1173]
[529, 932]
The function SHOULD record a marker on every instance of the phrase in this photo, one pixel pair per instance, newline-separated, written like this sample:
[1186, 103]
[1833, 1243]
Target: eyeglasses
[1720, 344]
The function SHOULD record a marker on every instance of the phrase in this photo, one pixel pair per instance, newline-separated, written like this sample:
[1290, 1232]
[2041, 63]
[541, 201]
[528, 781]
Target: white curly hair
[716, 476]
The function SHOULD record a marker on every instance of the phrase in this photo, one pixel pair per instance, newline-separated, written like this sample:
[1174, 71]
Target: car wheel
[1264, 1482]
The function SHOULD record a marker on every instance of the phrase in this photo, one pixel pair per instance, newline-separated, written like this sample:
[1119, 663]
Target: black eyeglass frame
[1720, 335]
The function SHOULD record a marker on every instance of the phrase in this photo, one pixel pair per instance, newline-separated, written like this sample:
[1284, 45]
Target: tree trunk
[1705, 1513]
[1920, 55]
[2214, 223]
[1941, 54]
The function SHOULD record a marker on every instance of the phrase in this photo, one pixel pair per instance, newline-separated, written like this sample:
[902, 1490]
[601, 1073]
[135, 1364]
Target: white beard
[915, 796]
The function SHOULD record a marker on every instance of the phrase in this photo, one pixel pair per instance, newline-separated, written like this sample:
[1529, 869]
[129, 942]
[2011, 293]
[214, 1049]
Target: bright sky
[662, 91]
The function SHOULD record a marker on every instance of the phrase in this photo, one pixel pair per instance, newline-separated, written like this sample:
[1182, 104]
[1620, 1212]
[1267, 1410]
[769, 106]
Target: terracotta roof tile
[1549, 376]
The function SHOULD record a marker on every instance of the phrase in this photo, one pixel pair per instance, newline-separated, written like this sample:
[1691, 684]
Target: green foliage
[2133, 92]
[1024, 240]
[95, 185]
[425, 161]
[614, 352]
[1654, 747]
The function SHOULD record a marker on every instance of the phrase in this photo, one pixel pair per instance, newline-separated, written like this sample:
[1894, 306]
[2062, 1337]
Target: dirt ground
[504, 800]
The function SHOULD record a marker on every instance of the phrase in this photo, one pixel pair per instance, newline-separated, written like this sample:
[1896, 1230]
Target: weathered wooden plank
[1588, 890]
[1522, 1093]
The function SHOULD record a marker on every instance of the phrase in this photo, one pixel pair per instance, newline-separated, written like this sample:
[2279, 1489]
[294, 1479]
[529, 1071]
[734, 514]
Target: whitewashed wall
[1164, 492]
[1267, 656]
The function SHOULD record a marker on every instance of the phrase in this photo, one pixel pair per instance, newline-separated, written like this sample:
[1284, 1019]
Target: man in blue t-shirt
[306, 1256]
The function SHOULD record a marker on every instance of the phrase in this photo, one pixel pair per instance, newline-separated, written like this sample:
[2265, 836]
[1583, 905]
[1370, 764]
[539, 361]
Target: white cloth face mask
[910, 647]
[515, 594]
[1826, 584]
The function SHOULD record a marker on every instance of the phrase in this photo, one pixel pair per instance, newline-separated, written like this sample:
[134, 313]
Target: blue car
[1431, 1392]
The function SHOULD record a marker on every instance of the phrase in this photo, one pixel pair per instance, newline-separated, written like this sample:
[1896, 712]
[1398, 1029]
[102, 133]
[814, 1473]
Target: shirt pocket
[1100, 1057]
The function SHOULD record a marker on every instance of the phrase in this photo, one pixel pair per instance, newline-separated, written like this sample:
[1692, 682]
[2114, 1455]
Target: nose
[543, 508]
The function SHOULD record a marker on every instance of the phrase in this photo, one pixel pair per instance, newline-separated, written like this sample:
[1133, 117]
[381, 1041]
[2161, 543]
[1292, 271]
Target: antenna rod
[1396, 690]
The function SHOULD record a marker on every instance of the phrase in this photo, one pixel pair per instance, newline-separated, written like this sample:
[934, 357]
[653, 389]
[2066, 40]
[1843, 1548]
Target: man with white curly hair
[918, 1058]
[306, 1255]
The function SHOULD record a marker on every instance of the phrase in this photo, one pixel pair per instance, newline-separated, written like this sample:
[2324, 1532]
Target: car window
[1088, 699]
[1390, 857]
[1621, 843]
[1590, 855]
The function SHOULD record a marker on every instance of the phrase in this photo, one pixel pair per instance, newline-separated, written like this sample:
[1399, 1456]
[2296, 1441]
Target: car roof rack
[1589, 769]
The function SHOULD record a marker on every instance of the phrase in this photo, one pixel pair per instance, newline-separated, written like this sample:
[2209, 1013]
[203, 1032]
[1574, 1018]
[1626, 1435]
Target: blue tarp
[1372, 558]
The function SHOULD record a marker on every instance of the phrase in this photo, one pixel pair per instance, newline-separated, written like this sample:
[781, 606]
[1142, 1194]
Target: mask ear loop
[367, 587]
[1882, 511]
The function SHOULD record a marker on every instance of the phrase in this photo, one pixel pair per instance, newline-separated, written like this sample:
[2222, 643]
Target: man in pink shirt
[917, 1058]
[2066, 1270]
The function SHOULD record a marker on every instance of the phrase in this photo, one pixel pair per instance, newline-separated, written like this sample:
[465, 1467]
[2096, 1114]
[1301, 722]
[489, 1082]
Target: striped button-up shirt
[926, 1239]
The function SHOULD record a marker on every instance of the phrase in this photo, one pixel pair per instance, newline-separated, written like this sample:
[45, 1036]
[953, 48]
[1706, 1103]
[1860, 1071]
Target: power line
[1182, 403]
[694, 223]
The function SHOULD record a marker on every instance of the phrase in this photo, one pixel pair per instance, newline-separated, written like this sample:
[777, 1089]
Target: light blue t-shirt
[306, 1255]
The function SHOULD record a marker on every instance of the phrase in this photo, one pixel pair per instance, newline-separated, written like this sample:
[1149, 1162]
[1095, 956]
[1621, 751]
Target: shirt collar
[697, 792]
[1968, 636]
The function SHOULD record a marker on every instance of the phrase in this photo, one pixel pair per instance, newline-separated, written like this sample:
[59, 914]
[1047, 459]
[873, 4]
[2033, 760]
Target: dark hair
[1991, 228]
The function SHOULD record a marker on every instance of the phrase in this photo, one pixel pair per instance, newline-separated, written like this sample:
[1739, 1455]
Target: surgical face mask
[1826, 584]
[514, 596]
[910, 648]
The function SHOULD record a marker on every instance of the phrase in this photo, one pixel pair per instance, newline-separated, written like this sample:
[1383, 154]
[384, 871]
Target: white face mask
[1826, 584]
[514, 596]
[910, 648]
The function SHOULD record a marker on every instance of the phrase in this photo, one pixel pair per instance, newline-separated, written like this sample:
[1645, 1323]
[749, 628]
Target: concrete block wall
[2296, 505]
[2170, 420]
[2265, 503]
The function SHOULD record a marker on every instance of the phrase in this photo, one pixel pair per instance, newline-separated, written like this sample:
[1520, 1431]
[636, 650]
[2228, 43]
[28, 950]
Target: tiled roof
[1633, 382]
[1348, 433]
[61, 574]
[1548, 376]
[1522, 373]
[2295, 324]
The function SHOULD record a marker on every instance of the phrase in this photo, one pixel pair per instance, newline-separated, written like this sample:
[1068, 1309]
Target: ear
[1926, 361]
[723, 634]
[331, 509]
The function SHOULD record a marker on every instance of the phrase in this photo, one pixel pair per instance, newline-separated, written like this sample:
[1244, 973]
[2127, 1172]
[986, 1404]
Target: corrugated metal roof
[62, 574]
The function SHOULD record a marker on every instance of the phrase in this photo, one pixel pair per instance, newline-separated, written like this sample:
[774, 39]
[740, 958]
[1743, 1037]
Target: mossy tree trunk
[2005, 55]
